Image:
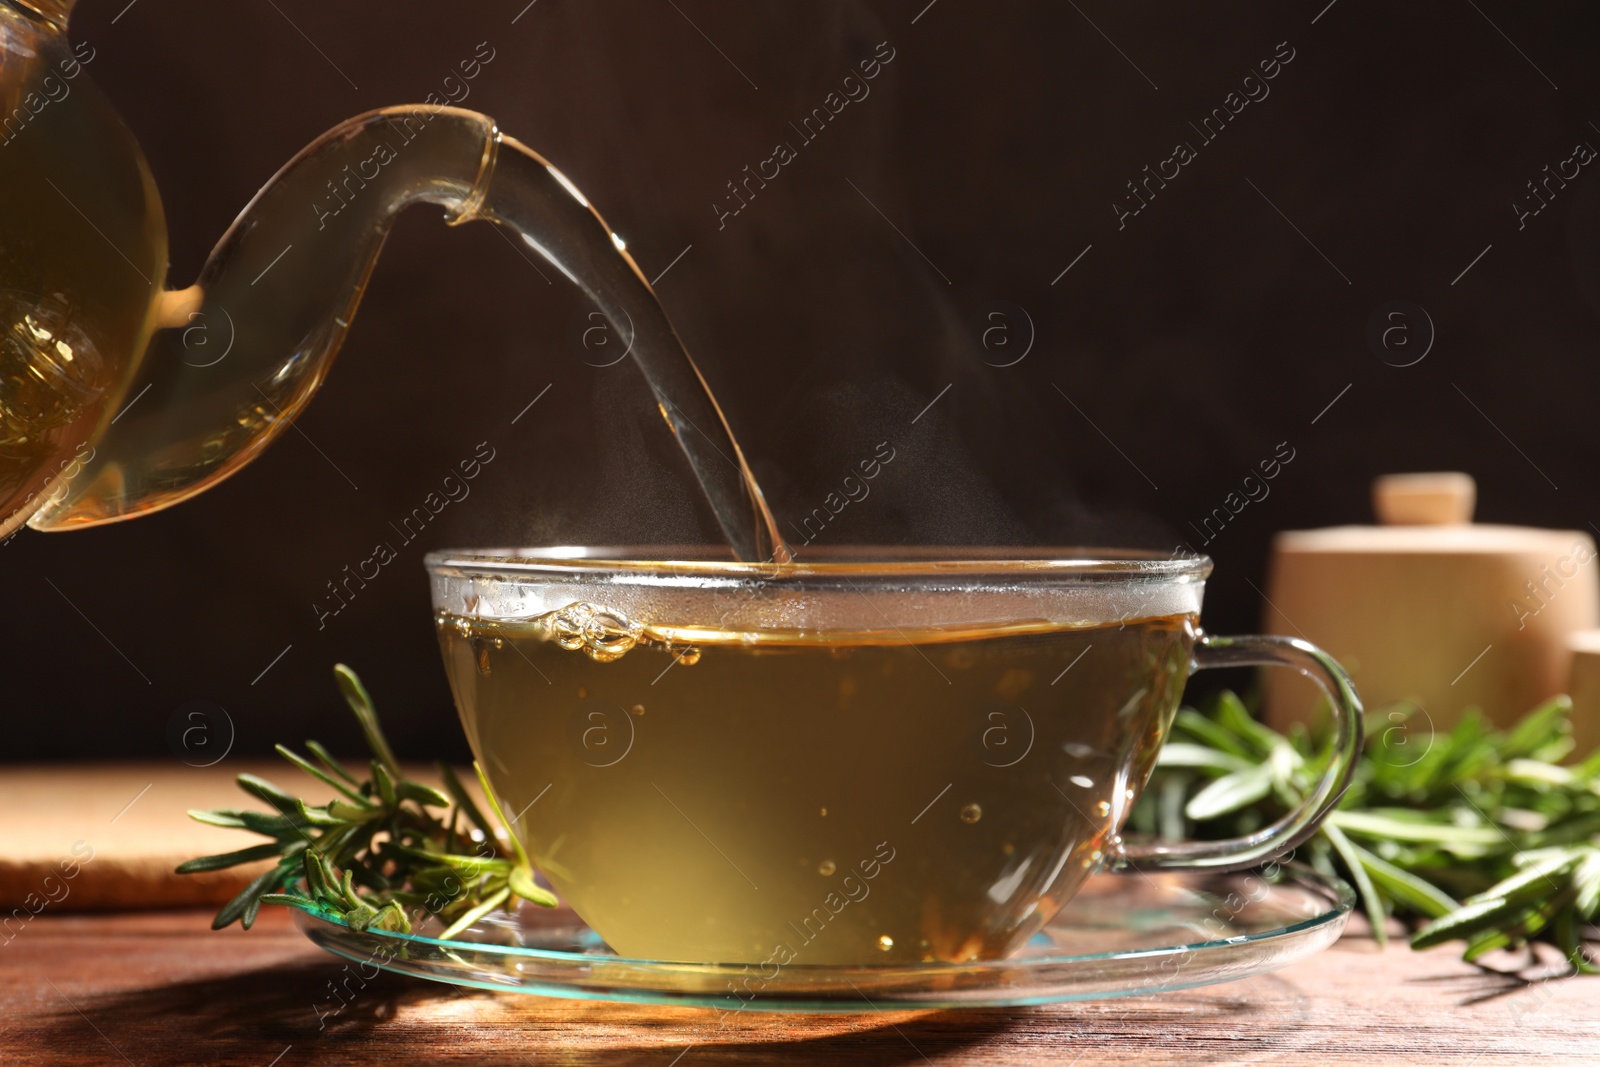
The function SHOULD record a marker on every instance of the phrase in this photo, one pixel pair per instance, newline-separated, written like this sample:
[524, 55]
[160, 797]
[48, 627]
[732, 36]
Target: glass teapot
[119, 396]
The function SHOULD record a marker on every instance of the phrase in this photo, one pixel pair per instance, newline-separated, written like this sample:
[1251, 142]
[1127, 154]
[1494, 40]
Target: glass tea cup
[869, 756]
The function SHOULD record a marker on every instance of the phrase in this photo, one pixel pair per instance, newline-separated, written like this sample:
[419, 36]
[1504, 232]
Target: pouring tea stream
[107, 408]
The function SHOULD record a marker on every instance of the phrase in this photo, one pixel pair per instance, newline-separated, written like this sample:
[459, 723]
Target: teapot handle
[1270, 841]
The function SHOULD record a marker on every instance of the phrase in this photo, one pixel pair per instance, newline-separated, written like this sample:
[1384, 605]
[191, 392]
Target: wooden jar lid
[1442, 498]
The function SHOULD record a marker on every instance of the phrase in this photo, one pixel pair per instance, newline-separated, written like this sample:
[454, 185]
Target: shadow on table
[293, 1002]
[1504, 974]
[328, 1015]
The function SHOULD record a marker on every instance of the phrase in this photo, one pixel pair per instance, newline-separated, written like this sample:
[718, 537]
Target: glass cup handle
[1270, 841]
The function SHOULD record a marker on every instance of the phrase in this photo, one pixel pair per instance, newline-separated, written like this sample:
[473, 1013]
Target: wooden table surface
[161, 988]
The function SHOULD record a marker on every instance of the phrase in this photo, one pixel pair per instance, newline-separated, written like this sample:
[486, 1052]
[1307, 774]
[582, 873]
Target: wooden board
[78, 837]
[82, 837]
[160, 988]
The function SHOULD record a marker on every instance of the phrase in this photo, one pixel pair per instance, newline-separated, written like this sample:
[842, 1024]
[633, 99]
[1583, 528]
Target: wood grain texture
[160, 988]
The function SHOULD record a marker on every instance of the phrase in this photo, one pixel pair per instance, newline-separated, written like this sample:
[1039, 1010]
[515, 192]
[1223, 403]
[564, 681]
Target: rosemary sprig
[378, 854]
[1484, 836]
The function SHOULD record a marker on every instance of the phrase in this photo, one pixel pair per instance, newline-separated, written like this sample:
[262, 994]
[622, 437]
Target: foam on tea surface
[786, 796]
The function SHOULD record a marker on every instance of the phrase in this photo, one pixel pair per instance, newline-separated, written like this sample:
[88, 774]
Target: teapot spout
[238, 355]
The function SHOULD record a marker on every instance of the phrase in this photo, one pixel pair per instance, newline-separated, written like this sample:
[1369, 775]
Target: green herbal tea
[794, 798]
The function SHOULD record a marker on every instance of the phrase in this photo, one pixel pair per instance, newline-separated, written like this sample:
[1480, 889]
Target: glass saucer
[1124, 934]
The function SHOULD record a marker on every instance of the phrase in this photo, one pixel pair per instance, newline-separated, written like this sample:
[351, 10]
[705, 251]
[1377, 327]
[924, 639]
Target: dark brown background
[1192, 342]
